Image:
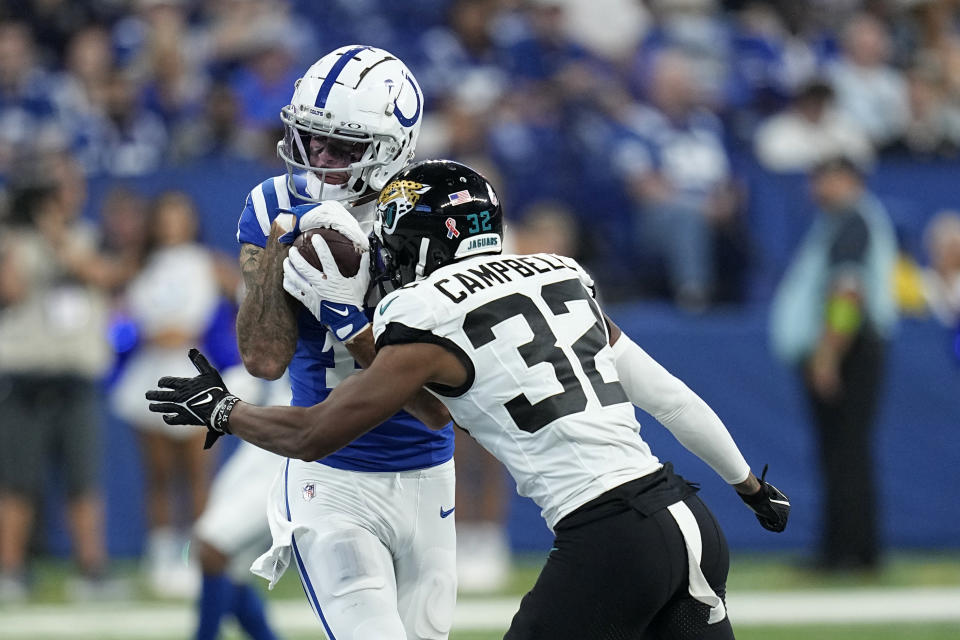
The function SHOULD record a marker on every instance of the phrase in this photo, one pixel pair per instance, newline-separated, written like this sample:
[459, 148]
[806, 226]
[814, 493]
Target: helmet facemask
[306, 135]
[383, 264]
[359, 98]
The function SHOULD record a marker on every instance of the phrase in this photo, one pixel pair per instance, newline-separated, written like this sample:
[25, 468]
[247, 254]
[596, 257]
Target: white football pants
[376, 552]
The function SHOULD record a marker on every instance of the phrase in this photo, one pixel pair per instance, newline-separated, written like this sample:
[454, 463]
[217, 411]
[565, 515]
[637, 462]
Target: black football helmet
[433, 213]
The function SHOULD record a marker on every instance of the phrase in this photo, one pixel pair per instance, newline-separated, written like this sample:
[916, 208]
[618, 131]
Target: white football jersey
[542, 393]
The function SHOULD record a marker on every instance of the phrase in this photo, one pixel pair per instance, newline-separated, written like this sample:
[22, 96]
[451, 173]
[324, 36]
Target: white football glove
[333, 215]
[334, 300]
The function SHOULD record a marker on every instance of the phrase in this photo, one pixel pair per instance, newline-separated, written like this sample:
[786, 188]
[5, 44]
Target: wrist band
[221, 413]
[348, 326]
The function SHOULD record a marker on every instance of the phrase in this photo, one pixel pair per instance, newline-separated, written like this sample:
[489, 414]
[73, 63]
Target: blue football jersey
[321, 361]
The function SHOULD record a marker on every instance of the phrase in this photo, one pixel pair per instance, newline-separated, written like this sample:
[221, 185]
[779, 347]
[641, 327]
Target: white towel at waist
[272, 564]
[698, 587]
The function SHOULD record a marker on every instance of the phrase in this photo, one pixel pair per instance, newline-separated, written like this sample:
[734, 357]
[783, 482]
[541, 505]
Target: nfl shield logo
[309, 492]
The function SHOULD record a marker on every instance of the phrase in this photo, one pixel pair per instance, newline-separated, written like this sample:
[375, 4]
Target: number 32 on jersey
[543, 348]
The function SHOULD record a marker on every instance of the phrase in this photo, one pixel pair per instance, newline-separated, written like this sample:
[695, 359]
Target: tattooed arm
[267, 321]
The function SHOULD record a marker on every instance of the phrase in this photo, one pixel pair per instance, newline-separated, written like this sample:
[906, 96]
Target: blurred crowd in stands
[621, 126]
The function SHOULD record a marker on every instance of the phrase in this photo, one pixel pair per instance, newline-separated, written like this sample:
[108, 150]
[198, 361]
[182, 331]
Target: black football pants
[624, 577]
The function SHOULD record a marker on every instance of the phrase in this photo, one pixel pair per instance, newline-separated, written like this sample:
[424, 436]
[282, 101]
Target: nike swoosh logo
[383, 307]
[204, 400]
[784, 502]
[444, 514]
[341, 312]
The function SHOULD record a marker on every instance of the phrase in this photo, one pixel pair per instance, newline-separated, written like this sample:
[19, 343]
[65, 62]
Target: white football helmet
[360, 104]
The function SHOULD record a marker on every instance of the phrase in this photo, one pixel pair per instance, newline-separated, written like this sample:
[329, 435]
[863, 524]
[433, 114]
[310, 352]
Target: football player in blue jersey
[368, 526]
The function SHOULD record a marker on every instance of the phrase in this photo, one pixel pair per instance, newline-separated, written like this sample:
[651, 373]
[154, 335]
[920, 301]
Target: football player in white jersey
[365, 525]
[518, 349]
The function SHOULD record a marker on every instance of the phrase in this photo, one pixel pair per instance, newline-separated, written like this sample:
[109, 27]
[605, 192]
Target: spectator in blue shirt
[544, 51]
[869, 90]
[28, 113]
[676, 168]
[126, 140]
[262, 86]
[698, 29]
[463, 57]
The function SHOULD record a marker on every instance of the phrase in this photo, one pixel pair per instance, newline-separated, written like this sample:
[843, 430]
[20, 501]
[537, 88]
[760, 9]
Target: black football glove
[202, 400]
[770, 504]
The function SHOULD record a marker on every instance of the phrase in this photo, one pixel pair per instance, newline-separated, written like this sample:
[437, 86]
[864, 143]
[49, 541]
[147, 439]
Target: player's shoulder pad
[262, 205]
[582, 274]
[403, 307]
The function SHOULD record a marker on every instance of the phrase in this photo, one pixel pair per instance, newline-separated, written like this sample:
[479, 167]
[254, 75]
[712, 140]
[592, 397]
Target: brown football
[343, 250]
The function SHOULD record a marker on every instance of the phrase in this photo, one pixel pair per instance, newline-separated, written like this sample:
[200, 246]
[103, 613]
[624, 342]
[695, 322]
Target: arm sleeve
[691, 421]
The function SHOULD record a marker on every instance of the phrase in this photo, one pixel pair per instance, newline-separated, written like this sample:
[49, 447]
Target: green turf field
[765, 575]
[750, 572]
[886, 632]
[804, 632]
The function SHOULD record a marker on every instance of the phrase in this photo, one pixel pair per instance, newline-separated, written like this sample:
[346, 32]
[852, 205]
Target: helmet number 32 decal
[479, 222]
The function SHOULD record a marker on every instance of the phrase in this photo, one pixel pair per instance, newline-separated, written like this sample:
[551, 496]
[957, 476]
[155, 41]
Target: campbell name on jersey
[321, 361]
[542, 393]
